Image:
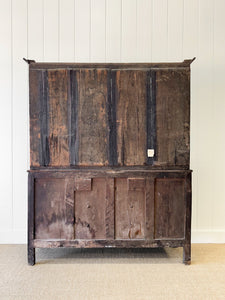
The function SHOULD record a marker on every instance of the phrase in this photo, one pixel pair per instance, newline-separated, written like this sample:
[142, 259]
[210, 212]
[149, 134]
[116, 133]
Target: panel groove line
[151, 115]
[73, 118]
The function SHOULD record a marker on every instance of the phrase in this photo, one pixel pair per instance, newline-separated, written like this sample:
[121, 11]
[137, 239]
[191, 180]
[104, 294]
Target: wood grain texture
[34, 106]
[169, 208]
[58, 117]
[129, 211]
[90, 208]
[173, 117]
[54, 209]
[131, 117]
[93, 117]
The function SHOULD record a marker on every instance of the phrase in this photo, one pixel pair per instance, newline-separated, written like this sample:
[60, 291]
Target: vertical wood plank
[35, 30]
[206, 106]
[54, 208]
[175, 30]
[144, 30]
[98, 30]
[169, 208]
[82, 30]
[159, 36]
[131, 117]
[20, 113]
[66, 30]
[150, 208]
[172, 111]
[6, 115]
[34, 109]
[51, 30]
[58, 117]
[129, 31]
[113, 30]
[109, 213]
[130, 212]
[218, 219]
[90, 211]
[93, 117]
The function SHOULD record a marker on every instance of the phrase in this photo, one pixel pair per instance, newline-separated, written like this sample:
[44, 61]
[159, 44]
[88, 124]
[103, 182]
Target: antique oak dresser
[109, 156]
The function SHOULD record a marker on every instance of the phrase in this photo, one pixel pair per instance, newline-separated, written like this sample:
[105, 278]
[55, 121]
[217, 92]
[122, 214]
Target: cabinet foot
[31, 256]
[187, 254]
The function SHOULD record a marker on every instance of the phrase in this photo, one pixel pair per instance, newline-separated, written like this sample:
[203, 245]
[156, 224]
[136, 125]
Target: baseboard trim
[208, 236]
[13, 236]
[198, 236]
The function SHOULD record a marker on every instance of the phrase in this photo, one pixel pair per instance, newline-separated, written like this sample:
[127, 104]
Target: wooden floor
[113, 274]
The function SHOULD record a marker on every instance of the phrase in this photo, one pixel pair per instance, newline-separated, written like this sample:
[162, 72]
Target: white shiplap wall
[112, 31]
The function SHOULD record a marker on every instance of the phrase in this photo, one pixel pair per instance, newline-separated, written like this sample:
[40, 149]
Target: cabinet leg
[187, 254]
[31, 255]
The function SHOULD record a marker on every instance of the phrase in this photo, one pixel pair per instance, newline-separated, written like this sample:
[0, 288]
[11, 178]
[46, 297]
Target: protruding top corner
[187, 62]
[29, 61]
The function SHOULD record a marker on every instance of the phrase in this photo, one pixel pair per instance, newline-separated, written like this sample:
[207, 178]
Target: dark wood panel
[90, 211]
[169, 208]
[54, 208]
[93, 117]
[58, 117]
[34, 107]
[173, 117]
[129, 211]
[131, 117]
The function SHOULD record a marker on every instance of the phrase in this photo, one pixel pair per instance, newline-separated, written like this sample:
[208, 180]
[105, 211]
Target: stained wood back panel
[93, 117]
[169, 208]
[130, 208]
[173, 117]
[130, 108]
[58, 117]
[100, 117]
[54, 208]
[35, 78]
[94, 209]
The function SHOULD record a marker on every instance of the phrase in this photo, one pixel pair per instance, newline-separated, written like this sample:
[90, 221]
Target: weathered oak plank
[131, 117]
[58, 118]
[93, 117]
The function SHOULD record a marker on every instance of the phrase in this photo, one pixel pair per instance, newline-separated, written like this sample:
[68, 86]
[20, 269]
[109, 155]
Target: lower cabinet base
[109, 209]
[109, 244]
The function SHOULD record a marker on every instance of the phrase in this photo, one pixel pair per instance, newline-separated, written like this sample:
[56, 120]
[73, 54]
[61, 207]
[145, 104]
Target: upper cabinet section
[110, 115]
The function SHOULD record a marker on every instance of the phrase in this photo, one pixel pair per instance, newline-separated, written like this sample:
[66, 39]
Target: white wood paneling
[66, 30]
[20, 113]
[35, 29]
[51, 30]
[175, 30]
[126, 31]
[190, 50]
[98, 30]
[5, 116]
[144, 30]
[205, 108]
[218, 201]
[129, 31]
[82, 30]
[113, 30]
